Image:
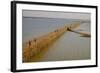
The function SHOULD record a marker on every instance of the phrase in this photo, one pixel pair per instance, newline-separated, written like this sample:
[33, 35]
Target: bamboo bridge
[35, 46]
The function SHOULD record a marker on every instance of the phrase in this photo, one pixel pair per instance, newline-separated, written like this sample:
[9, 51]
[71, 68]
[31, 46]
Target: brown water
[76, 48]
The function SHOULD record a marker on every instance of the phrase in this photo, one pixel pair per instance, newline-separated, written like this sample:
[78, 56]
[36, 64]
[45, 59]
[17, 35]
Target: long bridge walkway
[33, 47]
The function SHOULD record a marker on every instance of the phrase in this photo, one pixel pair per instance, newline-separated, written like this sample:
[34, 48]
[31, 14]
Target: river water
[69, 46]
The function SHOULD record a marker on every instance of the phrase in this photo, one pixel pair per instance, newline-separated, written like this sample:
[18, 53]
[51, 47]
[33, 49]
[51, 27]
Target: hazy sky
[52, 14]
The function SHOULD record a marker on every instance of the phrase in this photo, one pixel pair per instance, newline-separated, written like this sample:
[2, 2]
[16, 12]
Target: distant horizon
[56, 14]
[58, 18]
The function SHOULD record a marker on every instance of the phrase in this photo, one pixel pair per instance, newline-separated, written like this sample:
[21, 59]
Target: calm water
[69, 46]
